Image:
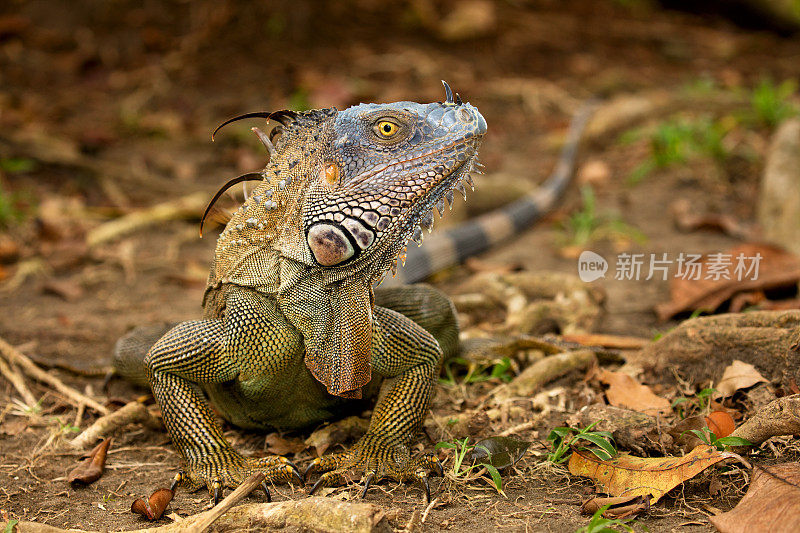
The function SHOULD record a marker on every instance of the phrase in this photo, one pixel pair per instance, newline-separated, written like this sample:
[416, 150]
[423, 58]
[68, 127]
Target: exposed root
[552, 367]
[779, 417]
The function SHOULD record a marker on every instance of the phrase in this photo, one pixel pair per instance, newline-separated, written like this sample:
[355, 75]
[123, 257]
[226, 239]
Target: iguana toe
[377, 460]
[228, 470]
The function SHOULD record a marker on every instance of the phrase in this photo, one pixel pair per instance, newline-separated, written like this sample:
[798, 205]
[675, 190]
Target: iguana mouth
[420, 216]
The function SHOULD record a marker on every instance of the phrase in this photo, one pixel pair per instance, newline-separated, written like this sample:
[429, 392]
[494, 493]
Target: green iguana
[294, 333]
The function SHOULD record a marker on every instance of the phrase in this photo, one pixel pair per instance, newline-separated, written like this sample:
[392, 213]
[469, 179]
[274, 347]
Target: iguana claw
[427, 485]
[367, 481]
[216, 487]
[176, 480]
[380, 461]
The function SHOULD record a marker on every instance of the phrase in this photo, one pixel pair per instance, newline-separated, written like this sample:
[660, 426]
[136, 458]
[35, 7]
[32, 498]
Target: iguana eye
[386, 129]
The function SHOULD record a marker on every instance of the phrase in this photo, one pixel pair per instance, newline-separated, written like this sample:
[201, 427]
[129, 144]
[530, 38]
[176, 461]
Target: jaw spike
[448, 92]
[264, 138]
[440, 207]
[418, 236]
[427, 221]
[244, 190]
[468, 179]
[460, 188]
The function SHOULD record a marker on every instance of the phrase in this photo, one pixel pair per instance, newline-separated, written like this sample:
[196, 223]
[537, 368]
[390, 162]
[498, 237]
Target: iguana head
[345, 191]
[384, 168]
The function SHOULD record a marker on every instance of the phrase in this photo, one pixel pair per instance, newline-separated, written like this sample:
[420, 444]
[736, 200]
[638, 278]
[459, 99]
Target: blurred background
[106, 164]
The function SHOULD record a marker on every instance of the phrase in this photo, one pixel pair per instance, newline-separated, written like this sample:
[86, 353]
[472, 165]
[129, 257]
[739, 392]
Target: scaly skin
[293, 333]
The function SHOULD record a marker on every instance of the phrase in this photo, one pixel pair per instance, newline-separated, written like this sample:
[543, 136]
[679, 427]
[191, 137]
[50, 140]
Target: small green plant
[477, 373]
[722, 443]
[10, 212]
[587, 225]
[66, 427]
[461, 471]
[563, 439]
[701, 402]
[598, 524]
[10, 525]
[771, 104]
[17, 165]
[678, 141]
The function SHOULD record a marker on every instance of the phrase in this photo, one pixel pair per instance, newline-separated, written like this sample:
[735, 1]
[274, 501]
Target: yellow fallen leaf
[636, 476]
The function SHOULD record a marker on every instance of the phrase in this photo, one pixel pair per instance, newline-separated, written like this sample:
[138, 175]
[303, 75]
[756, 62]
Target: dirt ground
[108, 107]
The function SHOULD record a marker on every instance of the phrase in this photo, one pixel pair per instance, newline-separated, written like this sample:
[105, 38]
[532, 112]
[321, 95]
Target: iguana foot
[230, 469]
[376, 459]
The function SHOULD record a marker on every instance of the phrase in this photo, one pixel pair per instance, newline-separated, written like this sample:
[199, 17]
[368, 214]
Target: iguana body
[293, 332]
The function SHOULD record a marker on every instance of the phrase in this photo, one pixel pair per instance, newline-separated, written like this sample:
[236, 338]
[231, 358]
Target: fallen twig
[12, 374]
[184, 207]
[13, 356]
[212, 515]
[106, 425]
[619, 342]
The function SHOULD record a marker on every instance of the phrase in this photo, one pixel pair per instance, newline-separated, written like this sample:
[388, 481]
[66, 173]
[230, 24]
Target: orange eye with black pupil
[386, 129]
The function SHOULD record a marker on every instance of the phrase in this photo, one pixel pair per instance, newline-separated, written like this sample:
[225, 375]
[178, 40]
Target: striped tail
[447, 248]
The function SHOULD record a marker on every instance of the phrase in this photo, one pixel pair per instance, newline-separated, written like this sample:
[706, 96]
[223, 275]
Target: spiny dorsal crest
[268, 221]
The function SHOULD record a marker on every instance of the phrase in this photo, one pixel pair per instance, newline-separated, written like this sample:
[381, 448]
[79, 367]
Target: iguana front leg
[411, 357]
[192, 353]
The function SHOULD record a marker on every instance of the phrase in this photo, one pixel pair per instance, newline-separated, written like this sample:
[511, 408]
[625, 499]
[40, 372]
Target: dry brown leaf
[352, 427]
[635, 476]
[624, 391]
[772, 503]
[777, 268]
[155, 505]
[738, 375]
[681, 432]
[91, 468]
[281, 445]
